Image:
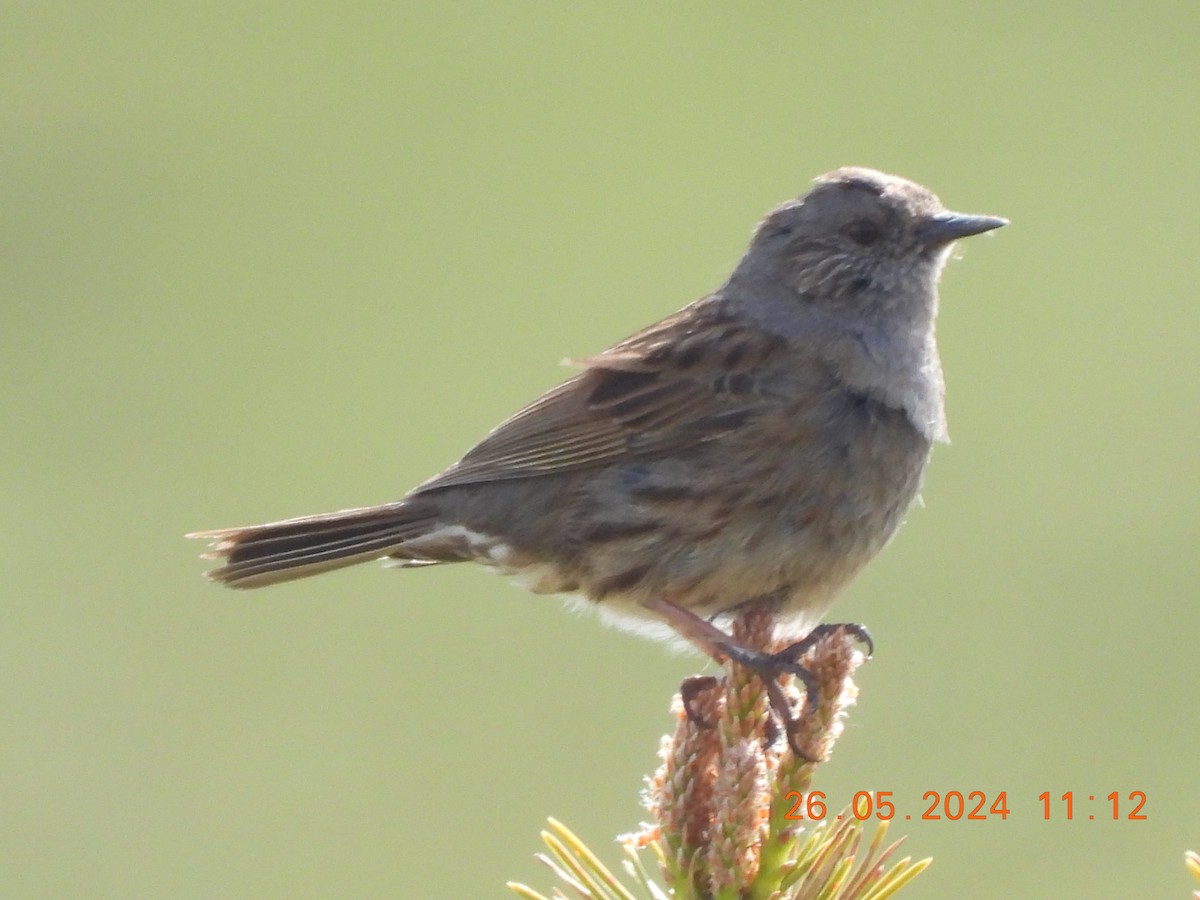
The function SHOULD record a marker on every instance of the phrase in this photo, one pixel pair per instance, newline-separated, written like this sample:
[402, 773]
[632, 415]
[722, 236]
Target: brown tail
[258, 555]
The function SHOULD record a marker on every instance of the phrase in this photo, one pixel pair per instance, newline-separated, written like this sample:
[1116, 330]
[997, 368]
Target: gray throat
[899, 366]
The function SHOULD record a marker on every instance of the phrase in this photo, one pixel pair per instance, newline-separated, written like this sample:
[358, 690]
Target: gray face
[861, 240]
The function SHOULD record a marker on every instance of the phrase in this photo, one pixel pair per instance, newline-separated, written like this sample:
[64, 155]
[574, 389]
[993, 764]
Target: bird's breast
[792, 504]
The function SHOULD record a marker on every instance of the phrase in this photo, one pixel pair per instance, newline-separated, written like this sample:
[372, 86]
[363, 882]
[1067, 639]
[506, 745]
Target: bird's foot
[767, 666]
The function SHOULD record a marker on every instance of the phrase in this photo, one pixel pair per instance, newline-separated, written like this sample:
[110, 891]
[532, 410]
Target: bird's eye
[863, 232]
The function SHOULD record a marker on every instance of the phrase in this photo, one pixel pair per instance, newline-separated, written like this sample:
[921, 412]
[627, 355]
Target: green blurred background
[275, 259]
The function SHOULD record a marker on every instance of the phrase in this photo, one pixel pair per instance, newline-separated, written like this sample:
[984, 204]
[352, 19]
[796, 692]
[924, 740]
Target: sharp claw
[793, 728]
[802, 646]
[860, 632]
[689, 688]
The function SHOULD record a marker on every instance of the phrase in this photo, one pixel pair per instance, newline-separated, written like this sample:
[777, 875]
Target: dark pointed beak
[950, 226]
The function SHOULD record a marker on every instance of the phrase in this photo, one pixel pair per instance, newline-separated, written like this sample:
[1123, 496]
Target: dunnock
[756, 448]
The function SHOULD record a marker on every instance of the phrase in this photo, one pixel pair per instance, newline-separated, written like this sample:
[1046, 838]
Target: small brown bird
[755, 449]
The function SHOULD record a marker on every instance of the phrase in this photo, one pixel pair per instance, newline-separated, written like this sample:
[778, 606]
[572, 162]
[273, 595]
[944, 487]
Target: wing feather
[686, 380]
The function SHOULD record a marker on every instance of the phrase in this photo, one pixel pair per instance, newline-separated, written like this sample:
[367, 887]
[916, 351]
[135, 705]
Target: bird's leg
[703, 634]
[721, 646]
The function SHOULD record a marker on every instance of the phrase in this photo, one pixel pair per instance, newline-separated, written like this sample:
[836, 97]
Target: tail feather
[259, 555]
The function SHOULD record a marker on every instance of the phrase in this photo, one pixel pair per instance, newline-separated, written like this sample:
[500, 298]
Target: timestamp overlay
[974, 806]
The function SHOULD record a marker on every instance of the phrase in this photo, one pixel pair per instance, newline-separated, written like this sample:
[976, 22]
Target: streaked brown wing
[686, 380]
